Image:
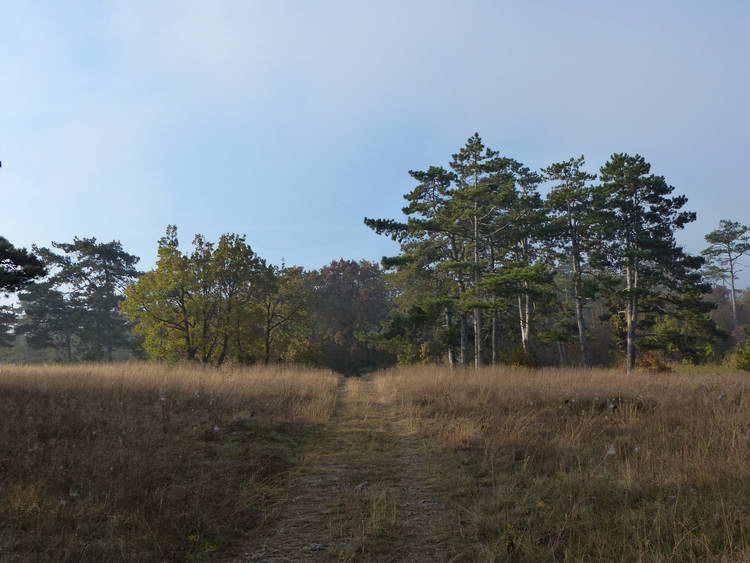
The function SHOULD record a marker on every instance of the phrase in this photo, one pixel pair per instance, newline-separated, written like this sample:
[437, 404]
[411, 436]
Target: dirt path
[369, 490]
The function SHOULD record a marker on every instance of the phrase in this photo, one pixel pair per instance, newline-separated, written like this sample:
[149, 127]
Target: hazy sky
[290, 121]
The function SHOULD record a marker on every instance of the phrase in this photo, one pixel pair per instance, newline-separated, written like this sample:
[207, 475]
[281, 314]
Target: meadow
[590, 465]
[145, 462]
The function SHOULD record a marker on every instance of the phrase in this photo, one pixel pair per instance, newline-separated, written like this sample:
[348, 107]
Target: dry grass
[585, 465]
[143, 462]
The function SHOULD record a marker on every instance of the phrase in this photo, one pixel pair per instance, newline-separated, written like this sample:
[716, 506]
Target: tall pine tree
[637, 217]
[569, 201]
[728, 244]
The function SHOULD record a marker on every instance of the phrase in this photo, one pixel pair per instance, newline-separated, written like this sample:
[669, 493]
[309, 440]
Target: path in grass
[369, 490]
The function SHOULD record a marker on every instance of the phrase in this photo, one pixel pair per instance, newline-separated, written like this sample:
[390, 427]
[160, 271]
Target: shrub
[654, 362]
[743, 357]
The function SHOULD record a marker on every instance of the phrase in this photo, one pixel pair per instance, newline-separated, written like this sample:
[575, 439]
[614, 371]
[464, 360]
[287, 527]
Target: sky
[291, 121]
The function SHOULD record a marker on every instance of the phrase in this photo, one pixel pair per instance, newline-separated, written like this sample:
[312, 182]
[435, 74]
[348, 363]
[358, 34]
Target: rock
[316, 547]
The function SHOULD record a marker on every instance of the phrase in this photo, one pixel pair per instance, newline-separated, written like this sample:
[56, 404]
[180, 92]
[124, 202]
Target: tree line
[489, 271]
[219, 302]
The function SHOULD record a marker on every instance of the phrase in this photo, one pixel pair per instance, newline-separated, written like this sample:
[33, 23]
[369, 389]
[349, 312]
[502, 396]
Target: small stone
[361, 487]
[315, 547]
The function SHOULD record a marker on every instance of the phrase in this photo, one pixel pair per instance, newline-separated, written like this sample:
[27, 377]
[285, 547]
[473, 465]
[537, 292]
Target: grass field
[139, 462]
[572, 465]
[143, 462]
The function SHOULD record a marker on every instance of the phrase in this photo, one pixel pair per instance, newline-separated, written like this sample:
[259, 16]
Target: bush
[743, 357]
[654, 362]
[518, 357]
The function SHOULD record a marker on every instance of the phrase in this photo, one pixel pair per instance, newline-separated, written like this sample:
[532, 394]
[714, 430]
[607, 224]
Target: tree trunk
[631, 314]
[630, 346]
[223, 354]
[583, 344]
[68, 349]
[267, 348]
[521, 322]
[464, 352]
[477, 310]
[578, 296]
[527, 304]
[494, 337]
[189, 348]
[448, 326]
[524, 309]
[732, 292]
[477, 337]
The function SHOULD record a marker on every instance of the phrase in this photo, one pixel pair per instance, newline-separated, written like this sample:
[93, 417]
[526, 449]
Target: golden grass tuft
[591, 465]
[146, 462]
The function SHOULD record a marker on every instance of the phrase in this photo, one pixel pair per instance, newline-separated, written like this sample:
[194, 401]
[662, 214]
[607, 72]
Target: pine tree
[8, 317]
[18, 267]
[434, 263]
[472, 199]
[481, 221]
[521, 238]
[570, 201]
[53, 319]
[94, 275]
[636, 222]
[728, 244]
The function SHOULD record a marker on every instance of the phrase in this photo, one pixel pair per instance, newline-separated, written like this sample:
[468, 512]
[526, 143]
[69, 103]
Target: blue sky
[291, 121]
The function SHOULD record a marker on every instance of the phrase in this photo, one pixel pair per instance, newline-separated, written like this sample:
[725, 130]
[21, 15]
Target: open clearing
[523, 465]
[140, 462]
[372, 489]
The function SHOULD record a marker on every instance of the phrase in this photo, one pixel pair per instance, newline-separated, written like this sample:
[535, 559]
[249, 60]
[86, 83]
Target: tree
[159, 304]
[519, 250]
[52, 319]
[94, 274]
[434, 261]
[351, 301]
[285, 309]
[570, 202]
[636, 222]
[464, 227]
[8, 318]
[472, 166]
[18, 267]
[237, 273]
[728, 243]
[198, 306]
[682, 330]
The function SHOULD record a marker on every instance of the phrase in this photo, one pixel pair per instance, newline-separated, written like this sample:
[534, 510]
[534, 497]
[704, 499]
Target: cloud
[274, 117]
